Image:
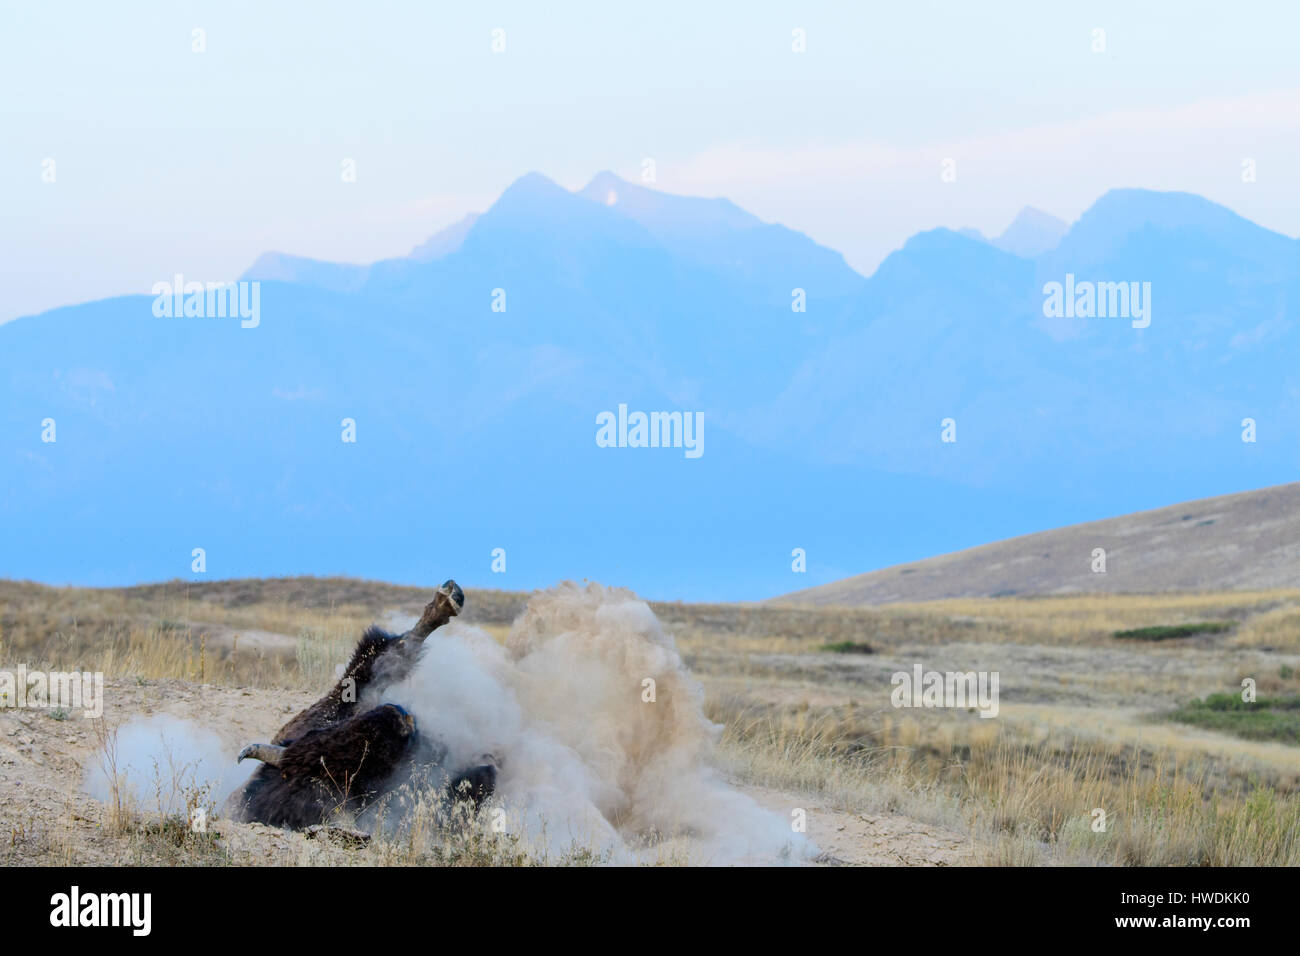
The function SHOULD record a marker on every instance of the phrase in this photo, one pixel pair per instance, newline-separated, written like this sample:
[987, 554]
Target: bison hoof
[454, 594]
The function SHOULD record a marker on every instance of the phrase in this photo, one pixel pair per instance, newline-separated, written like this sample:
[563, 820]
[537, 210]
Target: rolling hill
[1249, 540]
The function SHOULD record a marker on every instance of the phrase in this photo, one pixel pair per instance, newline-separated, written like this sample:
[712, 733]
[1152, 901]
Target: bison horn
[267, 753]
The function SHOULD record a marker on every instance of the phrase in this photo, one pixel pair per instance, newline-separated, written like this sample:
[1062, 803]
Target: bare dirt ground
[46, 818]
[848, 838]
[1088, 718]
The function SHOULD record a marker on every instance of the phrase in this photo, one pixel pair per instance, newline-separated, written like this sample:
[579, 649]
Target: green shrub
[1267, 718]
[848, 647]
[1163, 632]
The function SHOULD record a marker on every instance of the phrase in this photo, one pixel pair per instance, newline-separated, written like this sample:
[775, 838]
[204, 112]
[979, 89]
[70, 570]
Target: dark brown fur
[332, 755]
[341, 767]
[341, 702]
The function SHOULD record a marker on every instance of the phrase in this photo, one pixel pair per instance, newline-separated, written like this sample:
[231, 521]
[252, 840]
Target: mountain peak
[1109, 223]
[532, 198]
[605, 187]
[665, 213]
[1153, 201]
[610, 189]
[1132, 208]
[533, 185]
[1032, 233]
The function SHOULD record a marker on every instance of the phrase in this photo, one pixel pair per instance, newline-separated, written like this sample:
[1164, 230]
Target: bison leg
[446, 604]
[379, 659]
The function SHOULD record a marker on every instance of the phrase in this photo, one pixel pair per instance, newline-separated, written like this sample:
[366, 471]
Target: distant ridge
[281, 267]
[445, 242]
[1249, 540]
[1032, 233]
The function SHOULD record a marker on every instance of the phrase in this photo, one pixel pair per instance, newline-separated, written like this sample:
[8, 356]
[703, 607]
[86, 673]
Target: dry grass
[1277, 629]
[1030, 798]
[147, 638]
[1076, 732]
[1087, 619]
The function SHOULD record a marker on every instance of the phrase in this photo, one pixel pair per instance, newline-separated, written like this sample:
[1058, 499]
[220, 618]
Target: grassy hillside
[1246, 540]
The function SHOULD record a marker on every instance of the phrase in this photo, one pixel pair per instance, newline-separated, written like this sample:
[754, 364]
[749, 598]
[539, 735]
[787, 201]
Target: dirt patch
[847, 838]
[46, 818]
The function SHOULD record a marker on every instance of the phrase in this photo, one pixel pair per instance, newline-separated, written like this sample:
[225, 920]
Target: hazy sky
[168, 160]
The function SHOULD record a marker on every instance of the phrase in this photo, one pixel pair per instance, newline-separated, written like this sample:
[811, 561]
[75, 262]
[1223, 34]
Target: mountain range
[474, 369]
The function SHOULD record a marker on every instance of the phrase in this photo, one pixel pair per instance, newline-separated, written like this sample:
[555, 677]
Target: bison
[334, 755]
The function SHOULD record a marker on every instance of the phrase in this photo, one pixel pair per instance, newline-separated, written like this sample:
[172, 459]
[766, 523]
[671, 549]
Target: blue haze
[476, 429]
